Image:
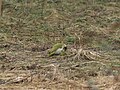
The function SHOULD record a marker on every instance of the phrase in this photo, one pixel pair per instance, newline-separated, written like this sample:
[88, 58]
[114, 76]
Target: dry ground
[30, 70]
[27, 31]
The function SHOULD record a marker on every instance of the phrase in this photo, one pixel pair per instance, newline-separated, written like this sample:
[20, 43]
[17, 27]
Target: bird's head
[64, 47]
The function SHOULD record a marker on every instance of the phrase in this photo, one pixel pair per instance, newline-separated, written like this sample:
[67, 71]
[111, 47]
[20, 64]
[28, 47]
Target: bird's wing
[56, 46]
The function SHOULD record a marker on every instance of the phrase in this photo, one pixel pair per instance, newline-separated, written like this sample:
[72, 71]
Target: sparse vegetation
[90, 28]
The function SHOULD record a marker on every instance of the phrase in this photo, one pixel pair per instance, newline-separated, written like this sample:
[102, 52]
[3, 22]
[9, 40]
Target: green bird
[57, 49]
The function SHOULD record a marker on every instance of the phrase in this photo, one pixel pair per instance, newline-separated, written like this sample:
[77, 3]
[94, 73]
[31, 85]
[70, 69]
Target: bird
[57, 49]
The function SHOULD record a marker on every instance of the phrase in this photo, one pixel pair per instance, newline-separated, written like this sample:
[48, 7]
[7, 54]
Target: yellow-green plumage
[57, 49]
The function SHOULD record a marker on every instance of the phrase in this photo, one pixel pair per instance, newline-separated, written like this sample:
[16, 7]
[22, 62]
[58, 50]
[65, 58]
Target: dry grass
[90, 30]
